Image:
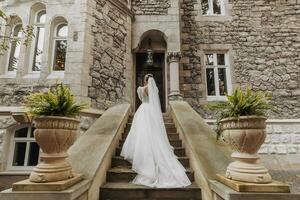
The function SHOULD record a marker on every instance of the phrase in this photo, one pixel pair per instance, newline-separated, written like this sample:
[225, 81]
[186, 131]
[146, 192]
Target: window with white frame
[25, 151]
[60, 47]
[217, 70]
[213, 7]
[40, 20]
[15, 48]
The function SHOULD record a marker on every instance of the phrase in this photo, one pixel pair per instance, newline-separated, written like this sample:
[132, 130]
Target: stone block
[275, 138]
[26, 185]
[285, 138]
[281, 149]
[292, 149]
[268, 139]
[264, 149]
[273, 187]
[223, 192]
[296, 139]
[76, 192]
[272, 149]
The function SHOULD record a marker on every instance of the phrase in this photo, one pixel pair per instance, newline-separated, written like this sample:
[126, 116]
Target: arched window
[39, 24]
[60, 46]
[24, 150]
[15, 48]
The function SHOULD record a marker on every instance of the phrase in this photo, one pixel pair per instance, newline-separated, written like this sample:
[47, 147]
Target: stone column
[173, 60]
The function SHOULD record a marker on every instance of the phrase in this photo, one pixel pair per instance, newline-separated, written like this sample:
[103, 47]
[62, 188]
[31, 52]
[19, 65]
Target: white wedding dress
[147, 146]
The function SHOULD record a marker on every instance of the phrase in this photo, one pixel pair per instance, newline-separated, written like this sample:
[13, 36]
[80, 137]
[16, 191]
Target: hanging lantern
[149, 54]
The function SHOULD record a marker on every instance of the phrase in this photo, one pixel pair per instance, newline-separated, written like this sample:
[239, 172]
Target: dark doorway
[157, 69]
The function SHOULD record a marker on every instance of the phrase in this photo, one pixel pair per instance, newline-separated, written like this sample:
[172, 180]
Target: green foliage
[3, 15]
[58, 101]
[241, 103]
[6, 40]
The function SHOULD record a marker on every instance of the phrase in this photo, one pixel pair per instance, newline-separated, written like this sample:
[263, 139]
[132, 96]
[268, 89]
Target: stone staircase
[118, 186]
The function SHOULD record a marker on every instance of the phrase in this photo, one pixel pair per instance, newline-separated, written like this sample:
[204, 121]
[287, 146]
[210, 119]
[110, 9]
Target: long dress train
[147, 146]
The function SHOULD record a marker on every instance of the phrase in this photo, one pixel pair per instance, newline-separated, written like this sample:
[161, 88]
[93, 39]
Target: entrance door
[157, 69]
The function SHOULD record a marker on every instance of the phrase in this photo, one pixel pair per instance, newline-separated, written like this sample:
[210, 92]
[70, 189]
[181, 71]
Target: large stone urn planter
[245, 136]
[54, 135]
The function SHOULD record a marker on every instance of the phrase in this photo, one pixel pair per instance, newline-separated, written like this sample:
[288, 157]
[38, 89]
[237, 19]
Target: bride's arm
[140, 93]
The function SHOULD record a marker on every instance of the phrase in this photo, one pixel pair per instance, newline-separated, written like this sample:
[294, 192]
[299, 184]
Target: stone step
[118, 161]
[130, 191]
[127, 175]
[174, 143]
[179, 151]
[171, 136]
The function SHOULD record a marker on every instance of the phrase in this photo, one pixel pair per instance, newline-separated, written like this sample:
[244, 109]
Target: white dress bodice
[142, 95]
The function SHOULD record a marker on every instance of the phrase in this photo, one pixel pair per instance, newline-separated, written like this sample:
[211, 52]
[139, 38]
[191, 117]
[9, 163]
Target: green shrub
[241, 103]
[58, 101]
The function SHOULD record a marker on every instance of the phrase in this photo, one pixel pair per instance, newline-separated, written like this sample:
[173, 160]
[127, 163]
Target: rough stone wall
[151, 7]
[14, 94]
[85, 124]
[110, 55]
[265, 39]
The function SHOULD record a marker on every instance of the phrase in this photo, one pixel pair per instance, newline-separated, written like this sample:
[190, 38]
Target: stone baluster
[173, 60]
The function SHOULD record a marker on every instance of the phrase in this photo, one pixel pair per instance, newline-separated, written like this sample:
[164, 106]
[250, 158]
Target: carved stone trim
[174, 57]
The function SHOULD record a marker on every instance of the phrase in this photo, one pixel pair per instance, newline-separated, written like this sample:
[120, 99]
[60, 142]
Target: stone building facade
[201, 49]
[262, 38]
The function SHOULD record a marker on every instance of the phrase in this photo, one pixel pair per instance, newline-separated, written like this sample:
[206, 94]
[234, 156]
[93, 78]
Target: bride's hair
[147, 76]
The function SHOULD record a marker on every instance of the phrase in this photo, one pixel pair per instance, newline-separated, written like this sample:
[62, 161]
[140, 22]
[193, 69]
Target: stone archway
[156, 41]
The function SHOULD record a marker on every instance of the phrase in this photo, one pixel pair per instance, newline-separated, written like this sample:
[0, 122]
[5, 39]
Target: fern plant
[241, 103]
[58, 101]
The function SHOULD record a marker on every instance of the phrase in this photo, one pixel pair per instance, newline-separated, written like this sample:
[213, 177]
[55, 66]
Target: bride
[147, 146]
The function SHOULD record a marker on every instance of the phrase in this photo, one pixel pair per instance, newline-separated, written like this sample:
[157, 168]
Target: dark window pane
[38, 51]
[217, 6]
[33, 156]
[209, 59]
[19, 154]
[60, 55]
[17, 31]
[222, 81]
[221, 59]
[210, 78]
[14, 56]
[205, 7]
[21, 133]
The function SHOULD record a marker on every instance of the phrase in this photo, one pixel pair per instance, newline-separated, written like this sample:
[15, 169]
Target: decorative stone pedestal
[55, 135]
[245, 135]
[26, 185]
[247, 169]
[223, 192]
